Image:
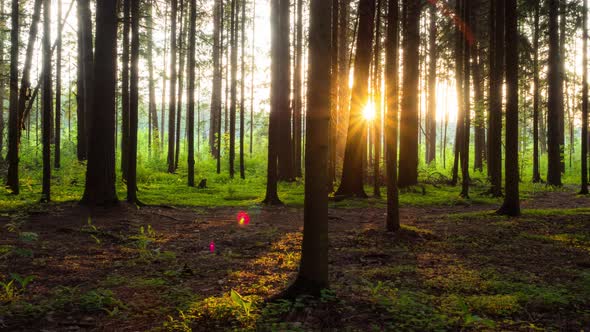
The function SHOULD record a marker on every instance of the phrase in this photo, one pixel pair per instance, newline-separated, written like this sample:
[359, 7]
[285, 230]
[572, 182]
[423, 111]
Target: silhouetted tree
[191, 93]
[13, 128]
[47, 102]
[553, 130]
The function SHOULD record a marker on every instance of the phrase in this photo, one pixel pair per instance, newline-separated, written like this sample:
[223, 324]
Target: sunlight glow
[369, 112]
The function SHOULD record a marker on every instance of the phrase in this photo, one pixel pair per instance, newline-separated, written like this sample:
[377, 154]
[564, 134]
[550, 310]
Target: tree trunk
[352, 173]
[272, 197]
[125, 102]
[313, 272]
[152, 108]
[253, 69]
[584, 138]
[286, 169]
[172, 93]
[242, 90]
[495, 99]
[334, 111]
[536, 96]
[100, 174]
[191, 93]
[163, 104]
[511, 204]
[215, 111]
[466, 72]
[555, 89]
[57, 135]
[133, 104]
[234, 85]
[562, 82]
[391, 122]
[344, 53]
[47, 102]
[431, 111]
[479, 98]
[181, 37]
[408, 165]
[377, 122]
[298, 90]
[13, 128]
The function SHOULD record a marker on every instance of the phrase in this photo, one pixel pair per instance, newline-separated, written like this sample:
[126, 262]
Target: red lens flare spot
[243, 218]
[212, 247]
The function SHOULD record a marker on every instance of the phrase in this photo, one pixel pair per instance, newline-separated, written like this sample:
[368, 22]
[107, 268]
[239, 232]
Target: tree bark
[511, 206]
[234, 85]
[172, 93]
[181, 53]
[47, 103]
[352, 173]
[286, 168]
[133, 104]
[555, 89]
[58, 87]
[408, 165]
[391, 122]
[584, 138]
[495, 99]
[154, 138]
[100, 174]
[125, 101]
[13, 128]
[313, 272]
[298, 90]
[536, 95]
[215, 110]
[431, 111]
[242, 90]
[191, 93]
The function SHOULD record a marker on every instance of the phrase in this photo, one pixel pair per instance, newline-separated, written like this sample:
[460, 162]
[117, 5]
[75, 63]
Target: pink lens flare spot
[212, 246]
[243, 218]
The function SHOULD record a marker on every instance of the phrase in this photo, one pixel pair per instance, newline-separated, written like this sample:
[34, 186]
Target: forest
[294, 165]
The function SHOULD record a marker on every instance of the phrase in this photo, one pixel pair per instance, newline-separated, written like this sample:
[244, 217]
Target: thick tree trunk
[272, 197]
[313, 272]
[298, 90]
[391, 122]
[466, 131]
[334, 111]
[408, 165]
[511, 204]
[100, 175]
[495, 99]
[286, 169]
[352, 173]
[344, 53]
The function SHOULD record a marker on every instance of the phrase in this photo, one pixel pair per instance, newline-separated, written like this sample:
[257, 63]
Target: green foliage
[10, 292]
[239, 300]
[143, 240]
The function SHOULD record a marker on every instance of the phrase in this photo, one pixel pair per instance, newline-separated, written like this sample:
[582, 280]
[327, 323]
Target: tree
[234, 85]
[584, 138]
[511, 206]
[495, 98]
[408, 164]
[352, 179]
[467, 54]
[85, 96]
[100, 173]
[2, 80]
[431, 110]
[133, 104]
[553, 130]
[334, 111]
[377, 123]
[125, 98]
[285, 151]
[242, 90]
[182, 55]
[272, 197]
[297, 90]
[191, 94]
[173, 79]
[58, 83]
[47, 102]
[391, 122]
[152, 111]
[313, 271]
[215, 112]
[536, 95]
[13, 129]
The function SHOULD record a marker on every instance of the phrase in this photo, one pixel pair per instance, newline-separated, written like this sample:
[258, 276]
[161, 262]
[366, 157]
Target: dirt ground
[450, 268]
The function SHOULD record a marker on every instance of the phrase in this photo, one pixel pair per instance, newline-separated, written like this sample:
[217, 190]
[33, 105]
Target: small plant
[91, 230]
[146, 236]
[10, 292]
[241, 302]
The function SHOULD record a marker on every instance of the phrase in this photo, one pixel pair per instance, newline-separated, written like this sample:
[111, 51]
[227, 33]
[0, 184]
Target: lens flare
[212, 247]
[243, 218]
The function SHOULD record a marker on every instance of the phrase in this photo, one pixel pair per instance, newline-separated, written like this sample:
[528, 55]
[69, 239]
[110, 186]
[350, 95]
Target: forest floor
[449, 268]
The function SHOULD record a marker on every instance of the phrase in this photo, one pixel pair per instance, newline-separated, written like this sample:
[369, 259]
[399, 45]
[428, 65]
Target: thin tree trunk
[191, 93]
[152, 108]
[495, 99]
[234, 85]
[242, 90]
[431, 111]
[286, 169]
[344, 52]
[184, 24]
[133, 104]
[334, 111]
[58, 87]
[215, 109]
[465, 141]
[47, 102]
[13, 129]
[584, 138]
[173, 79]
[125, 102]
[253, 69]
[555, 89]
[163, 104]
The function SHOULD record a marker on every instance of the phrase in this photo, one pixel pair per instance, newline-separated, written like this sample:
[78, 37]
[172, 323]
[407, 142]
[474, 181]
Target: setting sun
[369, 112]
